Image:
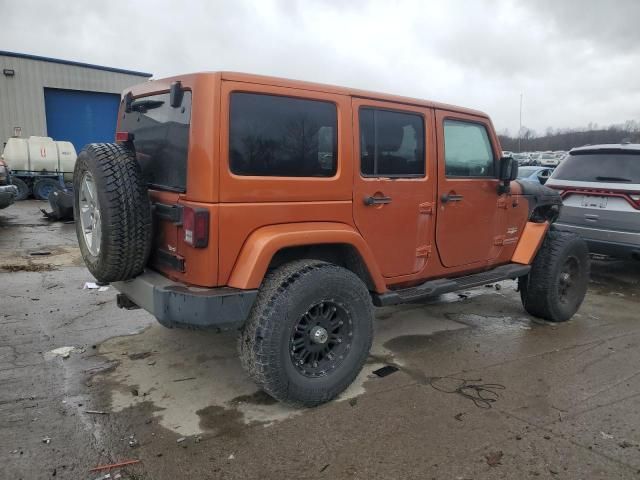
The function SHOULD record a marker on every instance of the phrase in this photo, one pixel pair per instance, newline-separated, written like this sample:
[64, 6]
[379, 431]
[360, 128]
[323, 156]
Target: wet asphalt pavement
[482, 389]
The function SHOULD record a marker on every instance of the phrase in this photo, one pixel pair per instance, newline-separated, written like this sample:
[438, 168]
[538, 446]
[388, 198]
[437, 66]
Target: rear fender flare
[263, 243]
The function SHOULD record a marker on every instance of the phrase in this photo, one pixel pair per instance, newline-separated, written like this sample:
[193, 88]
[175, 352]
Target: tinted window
[282, 136]
[391, 143]
[600, 167]
[467, 149]
[161, 139]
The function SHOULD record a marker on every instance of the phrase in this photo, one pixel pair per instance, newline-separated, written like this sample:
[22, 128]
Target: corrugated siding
[22, 96]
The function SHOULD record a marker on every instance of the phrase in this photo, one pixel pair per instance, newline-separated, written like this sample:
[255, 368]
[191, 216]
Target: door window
[391, 144]
[467, 149]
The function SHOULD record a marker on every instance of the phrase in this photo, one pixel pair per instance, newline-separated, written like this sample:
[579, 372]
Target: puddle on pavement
[196, 383]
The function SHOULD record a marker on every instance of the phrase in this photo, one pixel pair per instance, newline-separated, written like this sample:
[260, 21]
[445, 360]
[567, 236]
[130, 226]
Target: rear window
[161, 139]
[271, 135]
[600, 167]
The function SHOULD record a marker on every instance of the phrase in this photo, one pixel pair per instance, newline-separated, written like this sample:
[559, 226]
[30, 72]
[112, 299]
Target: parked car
[534, 174]
[521, 158]
[236, 201]
[600, 187]
[548, 159]
[534, 159]
[8, 192]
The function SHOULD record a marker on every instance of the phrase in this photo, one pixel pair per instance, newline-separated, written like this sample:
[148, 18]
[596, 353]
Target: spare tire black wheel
[557, 283]
[43, 187]
[112, 212]
[23, 188]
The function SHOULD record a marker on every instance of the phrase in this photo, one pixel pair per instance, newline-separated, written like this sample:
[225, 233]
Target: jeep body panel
[264, 243]
[416, 237]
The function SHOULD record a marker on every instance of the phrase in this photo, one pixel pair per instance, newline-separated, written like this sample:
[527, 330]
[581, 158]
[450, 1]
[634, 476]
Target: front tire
[557, 283]
[309, 332]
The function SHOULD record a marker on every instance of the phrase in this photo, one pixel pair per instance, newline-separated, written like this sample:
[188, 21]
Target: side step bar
[433, 288]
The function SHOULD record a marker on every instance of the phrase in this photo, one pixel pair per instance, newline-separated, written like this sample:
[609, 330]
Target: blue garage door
[81, 117]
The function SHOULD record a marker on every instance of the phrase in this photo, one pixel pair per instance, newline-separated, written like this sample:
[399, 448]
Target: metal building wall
[22, 96]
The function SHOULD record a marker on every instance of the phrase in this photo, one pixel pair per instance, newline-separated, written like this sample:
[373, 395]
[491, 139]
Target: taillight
[123, 136]
[195, 223]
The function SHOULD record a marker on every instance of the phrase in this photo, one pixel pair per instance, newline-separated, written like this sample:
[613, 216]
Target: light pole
[520, 127]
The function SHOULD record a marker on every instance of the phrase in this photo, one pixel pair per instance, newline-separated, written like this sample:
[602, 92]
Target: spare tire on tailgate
[112, 212]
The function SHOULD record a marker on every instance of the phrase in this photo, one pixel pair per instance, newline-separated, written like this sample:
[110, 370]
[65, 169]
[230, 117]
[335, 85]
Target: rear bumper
[8, 194]
[175, 304]
[607, 242]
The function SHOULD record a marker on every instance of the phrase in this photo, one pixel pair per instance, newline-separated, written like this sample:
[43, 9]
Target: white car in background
[548, 159]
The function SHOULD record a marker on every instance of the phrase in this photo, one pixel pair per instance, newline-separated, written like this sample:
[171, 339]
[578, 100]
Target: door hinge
[426, 208]
[502, 203]
[423, 251]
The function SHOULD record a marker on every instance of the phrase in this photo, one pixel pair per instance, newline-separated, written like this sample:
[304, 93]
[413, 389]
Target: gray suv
[600, 188]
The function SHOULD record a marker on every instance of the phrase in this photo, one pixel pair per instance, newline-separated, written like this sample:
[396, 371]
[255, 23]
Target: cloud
[574, 61]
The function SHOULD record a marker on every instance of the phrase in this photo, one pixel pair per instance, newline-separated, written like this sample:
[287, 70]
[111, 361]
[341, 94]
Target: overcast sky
[575, 61]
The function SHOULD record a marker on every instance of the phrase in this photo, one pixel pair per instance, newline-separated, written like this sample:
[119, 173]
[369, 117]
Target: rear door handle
[451, 197]
[376, 200]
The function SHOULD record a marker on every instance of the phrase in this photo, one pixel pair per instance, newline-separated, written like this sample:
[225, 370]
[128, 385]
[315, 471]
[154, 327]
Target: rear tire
[309, 332]
[43, 187]
[23, 189]
[119, 214]
[557, 283]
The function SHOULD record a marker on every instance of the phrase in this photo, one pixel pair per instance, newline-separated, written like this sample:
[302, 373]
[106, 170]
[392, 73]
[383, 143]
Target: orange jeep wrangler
[287, 209]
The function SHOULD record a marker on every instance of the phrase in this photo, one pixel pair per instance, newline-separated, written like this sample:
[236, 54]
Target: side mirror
[508, 173]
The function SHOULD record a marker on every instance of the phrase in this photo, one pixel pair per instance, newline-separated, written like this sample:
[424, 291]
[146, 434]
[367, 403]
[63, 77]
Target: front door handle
[451, 197]
[376, 200]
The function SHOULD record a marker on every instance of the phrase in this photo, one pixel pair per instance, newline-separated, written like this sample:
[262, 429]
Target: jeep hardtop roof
[163, 83]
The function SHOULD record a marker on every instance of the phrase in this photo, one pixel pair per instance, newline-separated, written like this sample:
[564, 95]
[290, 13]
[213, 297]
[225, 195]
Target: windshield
[600, 167]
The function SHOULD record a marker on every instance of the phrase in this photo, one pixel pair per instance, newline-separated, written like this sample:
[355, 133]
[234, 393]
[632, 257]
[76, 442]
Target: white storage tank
[66, 159]
[40, 155]
[43, 155]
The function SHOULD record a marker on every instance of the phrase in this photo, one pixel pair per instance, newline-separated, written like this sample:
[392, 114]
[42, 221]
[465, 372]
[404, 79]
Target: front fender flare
[263, 243]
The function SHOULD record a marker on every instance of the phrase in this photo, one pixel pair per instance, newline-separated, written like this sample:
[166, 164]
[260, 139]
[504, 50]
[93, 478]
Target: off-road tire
[23, 188]
[541, 289]
[284, 297]
[125, 211]
[43, 187]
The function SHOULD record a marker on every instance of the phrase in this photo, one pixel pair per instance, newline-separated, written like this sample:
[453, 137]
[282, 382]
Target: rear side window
[391, 144]
[161, 139]
[282, 136]
[600, 167]
[467, 150]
